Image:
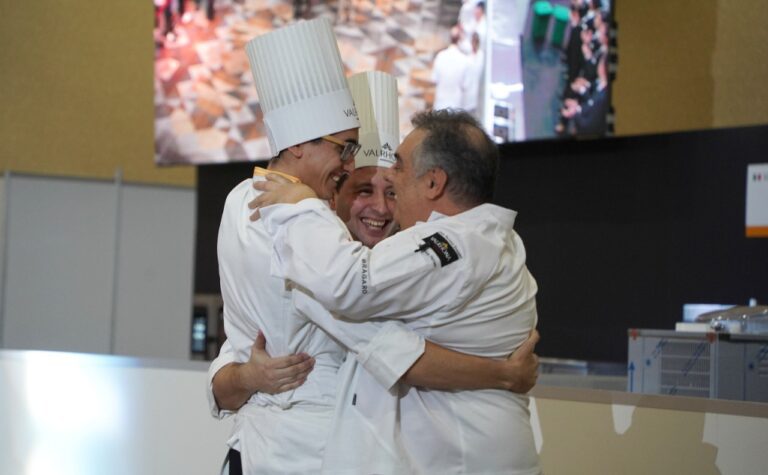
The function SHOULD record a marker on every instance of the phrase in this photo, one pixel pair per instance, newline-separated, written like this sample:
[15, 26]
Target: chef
[456, 274]
[365, 201]
[312, 129]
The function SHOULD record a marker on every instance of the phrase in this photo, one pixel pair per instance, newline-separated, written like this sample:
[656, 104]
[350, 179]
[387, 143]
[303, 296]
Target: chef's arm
[235, 383]
[444, 369]
[230, 388]
[394, 279]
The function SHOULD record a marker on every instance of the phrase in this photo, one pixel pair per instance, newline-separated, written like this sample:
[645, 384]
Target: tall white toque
[375, 96]
[300, 82]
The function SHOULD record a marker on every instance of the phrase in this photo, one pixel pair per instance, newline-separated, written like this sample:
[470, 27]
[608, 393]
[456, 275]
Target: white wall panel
[96, 267]
[59, 264]
[2, 253]
[155, 264]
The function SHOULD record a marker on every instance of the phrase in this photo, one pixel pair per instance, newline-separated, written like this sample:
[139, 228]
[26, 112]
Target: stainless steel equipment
[701, 364]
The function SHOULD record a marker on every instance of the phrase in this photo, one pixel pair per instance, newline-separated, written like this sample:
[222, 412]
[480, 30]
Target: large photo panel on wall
[526, 69]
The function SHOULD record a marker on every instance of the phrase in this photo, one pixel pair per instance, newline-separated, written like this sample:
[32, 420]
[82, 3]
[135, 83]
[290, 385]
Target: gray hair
[456, 143]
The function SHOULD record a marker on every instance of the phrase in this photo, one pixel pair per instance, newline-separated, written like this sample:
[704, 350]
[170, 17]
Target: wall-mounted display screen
[526, 69]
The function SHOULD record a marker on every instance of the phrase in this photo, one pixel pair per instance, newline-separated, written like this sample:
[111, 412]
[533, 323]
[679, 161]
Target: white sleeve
[386, 349]
[390, 353]
[409, 275]
[226, 356]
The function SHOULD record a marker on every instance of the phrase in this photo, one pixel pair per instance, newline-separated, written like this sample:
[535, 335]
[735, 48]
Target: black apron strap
[235, 464]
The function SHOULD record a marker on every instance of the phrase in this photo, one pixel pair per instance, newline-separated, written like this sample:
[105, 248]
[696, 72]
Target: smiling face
[366, 202]
[322, 167]
[410, 190]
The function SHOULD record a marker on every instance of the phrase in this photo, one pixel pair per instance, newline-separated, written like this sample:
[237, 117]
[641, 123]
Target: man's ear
[296, 151]
[436, 182]
[332, 201]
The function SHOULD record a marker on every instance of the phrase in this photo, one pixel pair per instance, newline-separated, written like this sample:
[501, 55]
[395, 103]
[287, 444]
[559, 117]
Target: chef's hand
[522, 366]
[235, 383]
[265, 374]
[277, 189]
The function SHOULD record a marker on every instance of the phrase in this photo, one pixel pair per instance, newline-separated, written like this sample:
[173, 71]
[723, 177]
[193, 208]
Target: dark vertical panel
[213, 185]
[620, 232]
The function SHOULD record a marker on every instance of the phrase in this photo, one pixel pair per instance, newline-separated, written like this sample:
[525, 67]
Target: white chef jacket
[448, 73]
[461, 281]
[473, 80]
[286, 432]
[470, 25]
[467, 14]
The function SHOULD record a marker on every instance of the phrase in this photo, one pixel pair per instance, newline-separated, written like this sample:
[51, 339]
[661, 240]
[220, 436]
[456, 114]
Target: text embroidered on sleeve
[441, 247]
[364, 273]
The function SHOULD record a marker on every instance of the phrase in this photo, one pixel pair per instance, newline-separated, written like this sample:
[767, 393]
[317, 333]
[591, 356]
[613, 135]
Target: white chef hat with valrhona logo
[300, 82]
[375, 96]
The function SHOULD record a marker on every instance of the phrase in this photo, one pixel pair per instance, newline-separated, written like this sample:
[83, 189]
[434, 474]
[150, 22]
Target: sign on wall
[757, 200]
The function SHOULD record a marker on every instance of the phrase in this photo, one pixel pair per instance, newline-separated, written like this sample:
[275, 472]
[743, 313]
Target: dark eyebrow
[362, 185]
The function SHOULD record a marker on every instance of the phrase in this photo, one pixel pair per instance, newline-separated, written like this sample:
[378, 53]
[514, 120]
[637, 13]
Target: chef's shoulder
[432, 245]
[236, 208]
[241, 191]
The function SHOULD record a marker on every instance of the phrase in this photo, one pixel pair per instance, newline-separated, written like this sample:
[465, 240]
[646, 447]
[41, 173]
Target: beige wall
[76, 90]
[740, 64]
[690, 64]
[76, 80]
[596, 432]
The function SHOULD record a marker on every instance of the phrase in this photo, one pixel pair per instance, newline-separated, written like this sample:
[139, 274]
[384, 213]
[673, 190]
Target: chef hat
[301, 85]
[375, 96]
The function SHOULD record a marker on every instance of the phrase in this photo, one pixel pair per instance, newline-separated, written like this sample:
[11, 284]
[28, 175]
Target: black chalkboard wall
[619, 232]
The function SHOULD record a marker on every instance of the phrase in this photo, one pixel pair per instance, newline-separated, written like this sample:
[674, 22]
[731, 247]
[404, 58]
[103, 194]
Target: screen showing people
[527, 70]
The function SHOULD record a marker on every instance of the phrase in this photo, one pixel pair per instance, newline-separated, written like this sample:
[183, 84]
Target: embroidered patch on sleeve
[441, 247]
